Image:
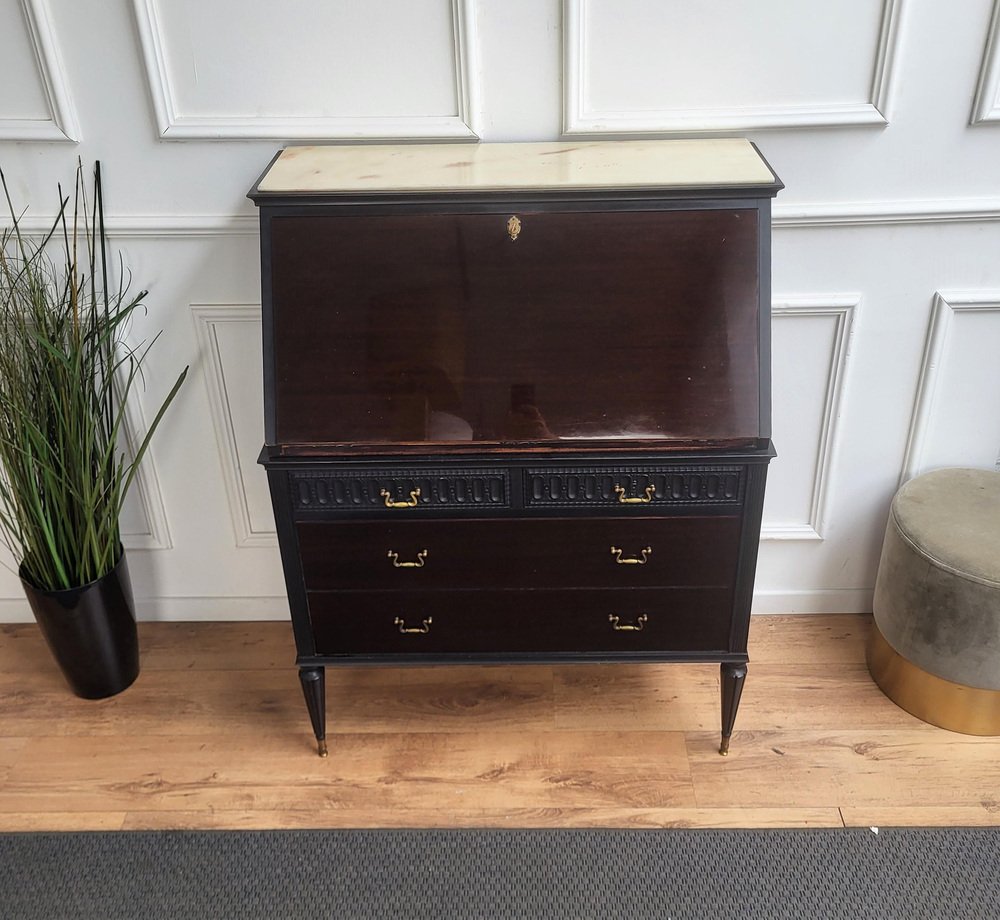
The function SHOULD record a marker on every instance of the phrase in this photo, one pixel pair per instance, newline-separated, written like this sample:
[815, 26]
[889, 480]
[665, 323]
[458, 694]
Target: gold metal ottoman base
[970, 710]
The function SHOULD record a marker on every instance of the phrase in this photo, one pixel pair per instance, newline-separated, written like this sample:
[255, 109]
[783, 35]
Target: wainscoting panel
[35, 103]
[308, 70]
[810, 338]
[956, 416]
[637, 67]
[230, 339]
[986, 106]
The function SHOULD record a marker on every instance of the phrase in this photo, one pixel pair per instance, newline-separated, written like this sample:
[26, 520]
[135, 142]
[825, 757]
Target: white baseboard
[179, 609]
[821, 600]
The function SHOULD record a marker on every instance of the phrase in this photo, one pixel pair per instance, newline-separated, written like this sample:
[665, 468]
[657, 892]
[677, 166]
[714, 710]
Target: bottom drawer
[495, 622]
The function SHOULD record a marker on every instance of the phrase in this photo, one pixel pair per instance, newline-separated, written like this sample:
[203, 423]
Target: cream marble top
[599, 164]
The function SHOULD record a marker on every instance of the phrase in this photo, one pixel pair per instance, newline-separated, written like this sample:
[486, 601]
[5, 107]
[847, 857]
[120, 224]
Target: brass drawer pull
[628, 627]
[419, 564]
[632, 560]
[422, 629]
[390, 503]
[624, 500]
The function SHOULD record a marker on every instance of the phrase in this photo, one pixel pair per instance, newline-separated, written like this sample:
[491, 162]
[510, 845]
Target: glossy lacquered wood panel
[589, 326]
[519, 553]
[394, 623]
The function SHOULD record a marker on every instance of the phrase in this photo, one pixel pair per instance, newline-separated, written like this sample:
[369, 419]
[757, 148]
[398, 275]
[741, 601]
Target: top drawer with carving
[617, 488]
[323, 491]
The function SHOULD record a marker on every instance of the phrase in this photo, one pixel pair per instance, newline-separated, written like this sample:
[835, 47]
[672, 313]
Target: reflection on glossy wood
[390, 343]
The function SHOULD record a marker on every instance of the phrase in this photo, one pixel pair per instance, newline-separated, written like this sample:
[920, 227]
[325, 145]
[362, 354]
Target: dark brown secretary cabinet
[517, 401]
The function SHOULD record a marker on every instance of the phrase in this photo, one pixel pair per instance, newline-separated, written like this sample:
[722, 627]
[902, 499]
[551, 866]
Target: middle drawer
[695, 551]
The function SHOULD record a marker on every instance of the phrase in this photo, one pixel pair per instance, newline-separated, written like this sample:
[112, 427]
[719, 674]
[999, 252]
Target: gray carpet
[676, 874]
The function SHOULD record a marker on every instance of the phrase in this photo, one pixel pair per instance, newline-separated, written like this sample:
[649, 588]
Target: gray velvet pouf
[935, 649]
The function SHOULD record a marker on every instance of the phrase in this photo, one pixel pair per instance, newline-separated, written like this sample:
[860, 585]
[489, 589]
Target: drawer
[389, 493]
[547, 622]
[520, 553]
[637, 489]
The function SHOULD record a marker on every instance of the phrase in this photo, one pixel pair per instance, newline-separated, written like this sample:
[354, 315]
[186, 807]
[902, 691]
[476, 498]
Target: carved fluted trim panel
[398, 493]
[649, 486]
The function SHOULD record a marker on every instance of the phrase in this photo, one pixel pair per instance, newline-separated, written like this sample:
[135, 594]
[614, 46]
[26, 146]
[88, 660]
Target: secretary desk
[517, 401]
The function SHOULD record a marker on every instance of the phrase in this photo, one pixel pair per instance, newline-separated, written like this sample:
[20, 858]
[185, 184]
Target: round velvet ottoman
[935, 648]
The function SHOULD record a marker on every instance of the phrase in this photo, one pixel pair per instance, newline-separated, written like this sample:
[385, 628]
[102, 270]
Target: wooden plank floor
[214, 734]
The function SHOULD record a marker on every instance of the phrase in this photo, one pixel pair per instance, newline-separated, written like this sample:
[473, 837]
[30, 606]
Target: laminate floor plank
[986, 814]
[386, 773]
[685, 697]
[847, 767]
[483, 817]
[637, 697]
[816, 696]
[62, 821]
[836, 638]
[10, 751]
[172, 703]
[237, 646]
[438, 700]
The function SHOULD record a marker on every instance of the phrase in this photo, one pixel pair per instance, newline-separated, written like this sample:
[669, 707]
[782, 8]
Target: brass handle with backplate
[623, 499]
[422, 629]
[618, 626]
[391, 503]
[645, 553]
[419, 564]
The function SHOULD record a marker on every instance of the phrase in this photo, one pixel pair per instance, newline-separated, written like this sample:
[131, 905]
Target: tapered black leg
[314, 688]
[732, 677]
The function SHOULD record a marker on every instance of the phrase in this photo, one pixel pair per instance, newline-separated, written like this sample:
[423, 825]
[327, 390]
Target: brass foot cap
[322, 748]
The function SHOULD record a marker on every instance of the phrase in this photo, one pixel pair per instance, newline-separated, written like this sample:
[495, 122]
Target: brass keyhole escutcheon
[514, 227]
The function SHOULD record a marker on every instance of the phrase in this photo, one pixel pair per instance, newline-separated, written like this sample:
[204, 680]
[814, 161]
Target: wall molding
[578, 118]
[844, 311]
[145, 487]
[61, 125]
[887, 55]
[946, 306]
[887, 213]
[784, 217]
[207, 319]
[173, 125]
[158, 226]
[986, 103]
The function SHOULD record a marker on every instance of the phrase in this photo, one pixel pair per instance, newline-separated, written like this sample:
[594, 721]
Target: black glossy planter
[91, 632]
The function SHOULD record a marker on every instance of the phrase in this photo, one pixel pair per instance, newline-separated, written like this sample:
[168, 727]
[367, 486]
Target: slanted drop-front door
[559, 327]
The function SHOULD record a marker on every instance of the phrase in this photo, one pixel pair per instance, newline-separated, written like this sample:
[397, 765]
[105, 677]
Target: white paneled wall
[881, 116]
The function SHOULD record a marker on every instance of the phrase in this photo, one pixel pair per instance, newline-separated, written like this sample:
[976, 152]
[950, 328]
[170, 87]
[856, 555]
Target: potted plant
[66, 371]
